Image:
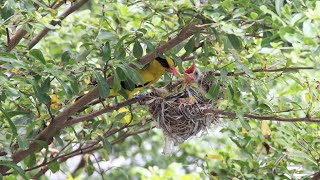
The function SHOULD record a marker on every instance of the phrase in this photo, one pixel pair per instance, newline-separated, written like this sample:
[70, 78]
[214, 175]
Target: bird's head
[167, 64]
[191, 74]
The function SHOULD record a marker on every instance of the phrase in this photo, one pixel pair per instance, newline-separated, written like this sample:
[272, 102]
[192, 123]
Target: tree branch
[100, 112]
[16, 38]
[259, 117]
[66, 13]
[185, 33]
[59, 121]
[85, 150]
[265, 70]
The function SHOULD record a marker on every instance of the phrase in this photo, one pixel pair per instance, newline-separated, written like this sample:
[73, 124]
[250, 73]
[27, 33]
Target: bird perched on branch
[151, 73]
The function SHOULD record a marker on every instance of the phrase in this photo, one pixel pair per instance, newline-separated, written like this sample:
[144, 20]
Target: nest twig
[179, 121]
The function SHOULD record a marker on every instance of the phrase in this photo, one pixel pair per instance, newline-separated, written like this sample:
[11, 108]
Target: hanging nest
[179, 120]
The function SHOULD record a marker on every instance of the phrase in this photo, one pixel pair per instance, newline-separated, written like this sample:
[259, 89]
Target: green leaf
[150, 46]
[254, 15]
[75, 85]
[230, 92]
[214, 90]
[120, 116]
[58, 139]
[90, 168]
[106, 52]
[45, 86]
[116, 86]
[22, 142]
[190, 45]
[83, 56]
[42, 144]
[265, 107]
[138, 139]
[107, 145]
[119, 52]
[243, 122]
[235, 41]
[54, 166]
[16, 113]
[42, 97]
[65, 57]
[95, 124]
[137, 49]
[300, 154]
[66, 88]
[38, 55]
[103, 86]
[205, 49]
[15, 167]
[11, 124]
[131, 73]
[286, 30]
[279, 6]
[144, 31]
[6, 12]
[308, 29]
[31, 160]
[3, 96]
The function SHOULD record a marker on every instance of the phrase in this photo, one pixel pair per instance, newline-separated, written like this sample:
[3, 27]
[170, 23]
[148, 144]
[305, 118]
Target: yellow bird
[151, 73]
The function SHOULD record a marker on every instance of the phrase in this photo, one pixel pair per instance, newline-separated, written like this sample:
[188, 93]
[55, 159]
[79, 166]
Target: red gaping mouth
[189, 73]
[191, 69]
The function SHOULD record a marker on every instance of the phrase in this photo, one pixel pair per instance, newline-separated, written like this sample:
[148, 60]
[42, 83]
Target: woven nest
[179, 121]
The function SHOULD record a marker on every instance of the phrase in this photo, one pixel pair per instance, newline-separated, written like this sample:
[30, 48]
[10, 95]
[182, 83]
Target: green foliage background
[253, 37]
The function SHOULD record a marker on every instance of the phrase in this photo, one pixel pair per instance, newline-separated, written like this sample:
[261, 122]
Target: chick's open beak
[189, 73]
[191, 69]
[174, 71]
[188, 77]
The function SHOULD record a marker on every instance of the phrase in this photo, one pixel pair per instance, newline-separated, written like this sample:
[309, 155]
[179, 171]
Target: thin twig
[66, 13]
[98, 113]
[16, 38]
[260, 117]
[59, 121]
[267, 70]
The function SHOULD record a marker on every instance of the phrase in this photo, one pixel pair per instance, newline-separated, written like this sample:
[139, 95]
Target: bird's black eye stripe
[162, 60]
[145, 84]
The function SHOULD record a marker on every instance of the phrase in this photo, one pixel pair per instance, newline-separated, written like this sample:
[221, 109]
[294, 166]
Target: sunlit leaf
[38, 55]
[265, 129]
[307, 97]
